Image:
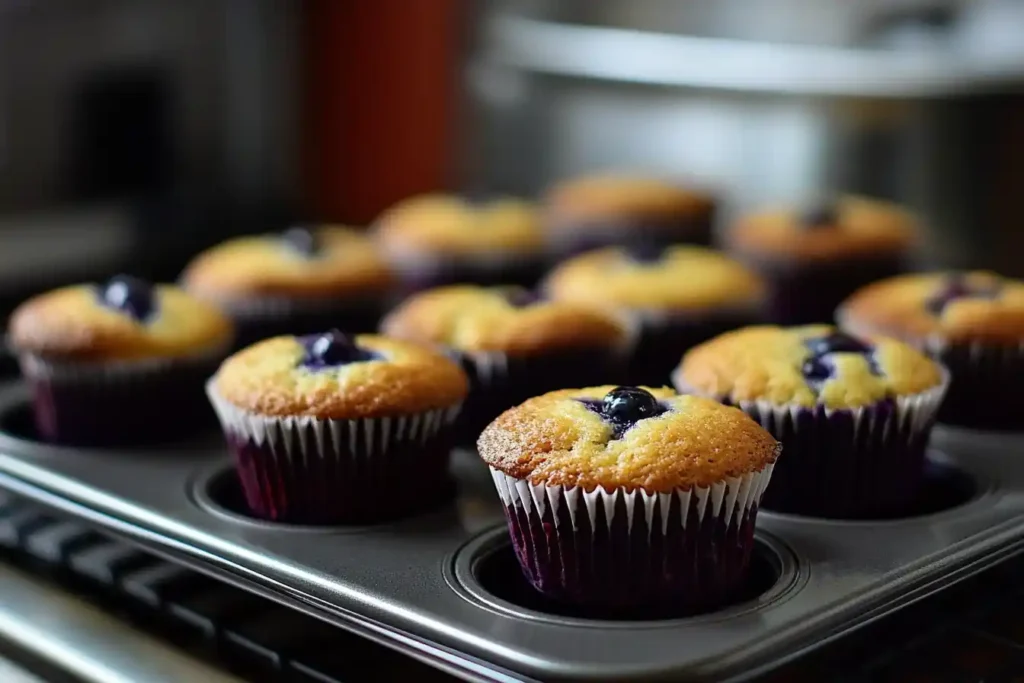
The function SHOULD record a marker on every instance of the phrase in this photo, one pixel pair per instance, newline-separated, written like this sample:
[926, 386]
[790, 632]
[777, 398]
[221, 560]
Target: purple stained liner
[421, 271]
[684, 551]
[984, 392]
[119, 403]
[863, 463]
[304, 470]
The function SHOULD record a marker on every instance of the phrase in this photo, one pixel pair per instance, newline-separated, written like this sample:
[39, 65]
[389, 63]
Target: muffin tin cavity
[219, 492]
[486, 572]
[944, 488]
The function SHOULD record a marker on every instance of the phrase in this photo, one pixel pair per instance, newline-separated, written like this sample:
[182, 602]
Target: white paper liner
[730, 499]
[304, 437]
[914, 412]
[36, 367]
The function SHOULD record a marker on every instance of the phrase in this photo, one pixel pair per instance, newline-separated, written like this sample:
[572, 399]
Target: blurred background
[135, 132]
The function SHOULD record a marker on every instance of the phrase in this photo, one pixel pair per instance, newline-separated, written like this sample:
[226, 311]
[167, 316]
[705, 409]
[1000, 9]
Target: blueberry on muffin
[616, 209]
[436, 240]
[303, 280]
[815, 256]
[853, 413]
[630, 498]
[105, 361]
[328, 428]
[679, 296]
[971, 322]
[512, 344]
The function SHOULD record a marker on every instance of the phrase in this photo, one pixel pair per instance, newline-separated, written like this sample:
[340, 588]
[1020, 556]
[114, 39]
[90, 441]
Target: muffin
[816, 257]
[611, 210]
[512, 344]
[973, 323]
[628, 498]
[328, 428]
[436, 240]
[106, 363]
[679, 297]
[853, 414]
[298, 282]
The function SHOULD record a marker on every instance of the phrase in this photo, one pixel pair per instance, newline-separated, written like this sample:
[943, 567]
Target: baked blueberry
[836, 342]
[822, 214]
[957, 287]
[129, 295]
[333, 349]
[623, 407]
[645, 252]
[816, 369]
[520, 297]
[302, 240]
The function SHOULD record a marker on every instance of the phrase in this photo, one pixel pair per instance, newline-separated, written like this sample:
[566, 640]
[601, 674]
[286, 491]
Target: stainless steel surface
[388, 582]
[758, 120]
[79, 639]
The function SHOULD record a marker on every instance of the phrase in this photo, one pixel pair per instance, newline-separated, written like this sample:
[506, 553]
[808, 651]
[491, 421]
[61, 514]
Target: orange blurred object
[381, 100]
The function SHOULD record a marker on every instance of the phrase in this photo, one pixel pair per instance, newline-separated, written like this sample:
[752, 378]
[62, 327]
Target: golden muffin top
[630, 437]
[324, 261]
[805, 366]
[123, 319]
[507, 319]
[452, 226]
[605, 197]
[848, 227]
[333, 376]
[678, 278]
[942, 307]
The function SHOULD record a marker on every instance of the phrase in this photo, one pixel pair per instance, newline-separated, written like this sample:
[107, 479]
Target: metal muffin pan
[427, 586]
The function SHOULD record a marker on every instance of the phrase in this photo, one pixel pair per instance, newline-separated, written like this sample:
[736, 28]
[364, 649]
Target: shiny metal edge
[461, 577]
[662, 59]
[86, 642]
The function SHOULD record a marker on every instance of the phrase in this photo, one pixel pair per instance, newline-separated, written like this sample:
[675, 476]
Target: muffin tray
[444, 586]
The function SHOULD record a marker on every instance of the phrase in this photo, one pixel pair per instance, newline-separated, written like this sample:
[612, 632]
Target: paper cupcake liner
[866, 463]
[631, 550]
[808, 292]
[120, 403]
[259, 318]
[499, 381]
[576, 237]
[305, 470]
[664, 338]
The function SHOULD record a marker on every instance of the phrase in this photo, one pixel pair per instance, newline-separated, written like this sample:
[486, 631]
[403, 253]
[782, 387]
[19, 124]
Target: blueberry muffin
[615, 209]
[972, 322]
[512, 344]
[815, 257]
[328, 428]
[436, 240]
[629, 498]
[301, 281]
[853, 414]
[106, 361]
[678, 297]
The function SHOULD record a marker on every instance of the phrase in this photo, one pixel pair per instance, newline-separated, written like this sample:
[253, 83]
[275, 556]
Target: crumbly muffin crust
[901, 307]
[556, 440]
[685, 278]
[348, 263]
[472, 318]
[448, 225]
[269, 379]
[70, 324]
[865, 227]
[764, 363]
[618, 196]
